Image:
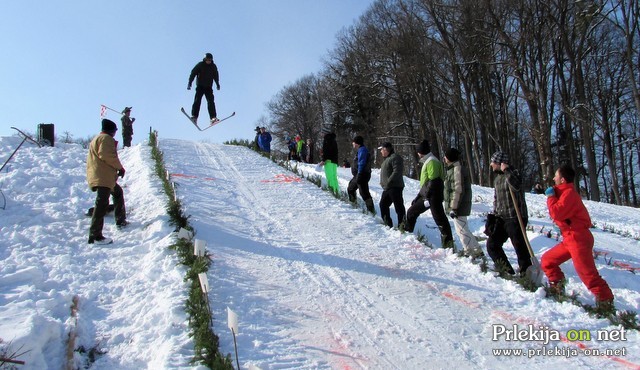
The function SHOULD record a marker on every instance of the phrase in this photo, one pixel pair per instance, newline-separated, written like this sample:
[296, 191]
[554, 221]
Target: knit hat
[326, 129]
[208, 56]
[358, 140]
[386, 145]
[108, 126]
[423, 147]
[452, 154]
[500, 157]
[127, 109]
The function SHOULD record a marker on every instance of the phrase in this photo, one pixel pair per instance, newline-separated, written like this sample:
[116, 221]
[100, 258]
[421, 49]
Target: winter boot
[556, 288]
[402, 225]
[504, 269]
[101, 240]
[605, 307]
[446, 244]
[387, 221]
[476, 255]
[370, 207]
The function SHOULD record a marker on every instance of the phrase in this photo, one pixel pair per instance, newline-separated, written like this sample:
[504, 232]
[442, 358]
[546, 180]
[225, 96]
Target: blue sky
[63, 59]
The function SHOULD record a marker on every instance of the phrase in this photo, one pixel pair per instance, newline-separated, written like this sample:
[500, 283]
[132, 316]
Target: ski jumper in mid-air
[206, 72]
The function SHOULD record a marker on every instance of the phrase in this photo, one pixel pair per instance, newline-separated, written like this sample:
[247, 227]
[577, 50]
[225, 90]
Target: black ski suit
[207, 74]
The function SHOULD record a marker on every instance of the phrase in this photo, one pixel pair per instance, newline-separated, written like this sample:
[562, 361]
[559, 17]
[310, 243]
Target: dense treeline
[548, 81]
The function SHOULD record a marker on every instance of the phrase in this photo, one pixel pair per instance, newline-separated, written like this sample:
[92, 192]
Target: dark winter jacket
[361, 162]
[457, 189]
[264, 141]
[502, 203]
[391, 172]
[330, 148]
[309, 158]
[207, 74]
[127, 125]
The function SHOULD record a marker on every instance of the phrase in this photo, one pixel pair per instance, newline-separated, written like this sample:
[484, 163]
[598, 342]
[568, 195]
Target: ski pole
[25, 138]
[524, 231]
[113, 110]
[534, 272]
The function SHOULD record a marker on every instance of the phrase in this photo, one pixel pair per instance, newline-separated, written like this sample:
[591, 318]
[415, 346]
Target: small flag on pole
[103, 111]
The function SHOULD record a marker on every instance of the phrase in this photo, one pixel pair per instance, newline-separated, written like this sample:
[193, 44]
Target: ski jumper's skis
[212, 123]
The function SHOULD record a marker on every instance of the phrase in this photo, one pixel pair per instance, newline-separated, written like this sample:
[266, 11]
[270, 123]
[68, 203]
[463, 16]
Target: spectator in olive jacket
[392, 182]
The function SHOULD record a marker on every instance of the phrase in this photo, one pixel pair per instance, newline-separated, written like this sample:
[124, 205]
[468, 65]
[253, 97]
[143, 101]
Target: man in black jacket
[207, 73]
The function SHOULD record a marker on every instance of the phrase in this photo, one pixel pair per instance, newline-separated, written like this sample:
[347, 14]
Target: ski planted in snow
[212, 123]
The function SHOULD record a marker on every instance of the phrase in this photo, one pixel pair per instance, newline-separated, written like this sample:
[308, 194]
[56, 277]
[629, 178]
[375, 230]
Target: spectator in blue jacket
[264, 140]
[361, 171]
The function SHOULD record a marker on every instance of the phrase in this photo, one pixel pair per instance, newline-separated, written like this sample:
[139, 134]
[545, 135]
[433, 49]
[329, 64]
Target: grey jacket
[457, 189]
[391, 172]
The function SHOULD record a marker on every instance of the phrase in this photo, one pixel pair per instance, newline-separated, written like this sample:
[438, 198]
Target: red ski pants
[578, 246]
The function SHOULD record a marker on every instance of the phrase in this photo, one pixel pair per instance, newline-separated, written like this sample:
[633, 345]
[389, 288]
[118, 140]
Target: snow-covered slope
[315, 282]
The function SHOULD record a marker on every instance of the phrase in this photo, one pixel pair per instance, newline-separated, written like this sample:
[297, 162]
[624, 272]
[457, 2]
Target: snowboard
[210, 125]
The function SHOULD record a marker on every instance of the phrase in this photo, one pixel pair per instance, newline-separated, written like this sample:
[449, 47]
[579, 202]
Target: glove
[453, 214]
[490, 224]
[550, 192]
[189, 87]
[133, 120]
[426, 204]
[218, 86]
[121, 172]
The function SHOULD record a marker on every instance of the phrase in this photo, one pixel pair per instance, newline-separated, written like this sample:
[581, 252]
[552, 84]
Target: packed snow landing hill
[315, 282]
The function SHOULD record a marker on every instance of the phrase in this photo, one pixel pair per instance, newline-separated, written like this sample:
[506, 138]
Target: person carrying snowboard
[206, 72]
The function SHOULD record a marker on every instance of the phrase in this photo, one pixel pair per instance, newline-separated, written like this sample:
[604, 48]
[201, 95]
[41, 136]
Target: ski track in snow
[321, 288]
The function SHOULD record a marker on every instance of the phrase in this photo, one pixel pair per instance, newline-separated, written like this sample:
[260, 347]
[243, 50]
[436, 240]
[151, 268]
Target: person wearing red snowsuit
[568, 212]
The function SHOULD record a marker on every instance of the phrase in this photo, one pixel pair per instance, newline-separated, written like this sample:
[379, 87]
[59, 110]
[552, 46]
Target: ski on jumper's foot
[190, 119]
[215, 121]
[211, 124]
